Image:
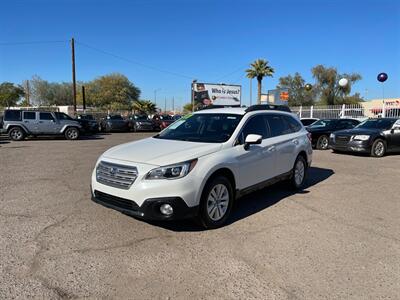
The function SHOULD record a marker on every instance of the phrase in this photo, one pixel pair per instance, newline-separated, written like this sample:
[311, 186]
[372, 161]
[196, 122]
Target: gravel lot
[338, 239]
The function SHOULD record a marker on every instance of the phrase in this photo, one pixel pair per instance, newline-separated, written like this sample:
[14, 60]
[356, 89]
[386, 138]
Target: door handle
[40, 121]
[271, 149]
[295, 141]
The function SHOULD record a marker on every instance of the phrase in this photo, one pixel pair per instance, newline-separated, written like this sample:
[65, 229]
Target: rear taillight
[309, 136]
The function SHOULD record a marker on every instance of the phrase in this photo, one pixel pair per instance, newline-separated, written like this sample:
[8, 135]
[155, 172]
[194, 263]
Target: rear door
[29, 119]
[285, 139]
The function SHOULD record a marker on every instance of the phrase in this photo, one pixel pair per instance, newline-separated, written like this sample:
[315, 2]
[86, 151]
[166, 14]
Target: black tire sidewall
[318, 142]
[71, 129]
[374, 145]
[20, 130]
[205, 220]
[293, 181]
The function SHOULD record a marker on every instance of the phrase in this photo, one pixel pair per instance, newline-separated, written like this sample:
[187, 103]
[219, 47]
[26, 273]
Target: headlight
[361, 137]
[172, 171]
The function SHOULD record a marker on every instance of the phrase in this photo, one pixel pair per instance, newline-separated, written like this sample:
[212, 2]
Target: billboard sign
[277, 96]
[205, 94]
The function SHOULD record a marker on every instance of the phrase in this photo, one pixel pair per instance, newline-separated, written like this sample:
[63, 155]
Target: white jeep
[199, 165]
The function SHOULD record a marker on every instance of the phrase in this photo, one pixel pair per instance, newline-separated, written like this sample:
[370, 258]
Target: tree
[113, 91]
[298, 95]
[327, 83]
[259, 69]
[144, 107]
[188, 108]
[10, 94]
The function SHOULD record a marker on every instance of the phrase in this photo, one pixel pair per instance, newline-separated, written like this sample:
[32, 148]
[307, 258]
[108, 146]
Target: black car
[114, 123]
[88, 123]
[308, 121]
[374, 136]
[140, 123]
[321, 130]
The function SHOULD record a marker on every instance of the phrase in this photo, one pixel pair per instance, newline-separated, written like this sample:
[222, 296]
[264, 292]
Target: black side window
[277, 125]
[256, 125]
[45, 116]
[343, 124]
[12, 115]
[293, 124]
[29, 115]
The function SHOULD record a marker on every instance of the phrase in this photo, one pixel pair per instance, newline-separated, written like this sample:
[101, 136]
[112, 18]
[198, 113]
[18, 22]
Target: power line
[135, 62]
[242, 68]
[30, 43]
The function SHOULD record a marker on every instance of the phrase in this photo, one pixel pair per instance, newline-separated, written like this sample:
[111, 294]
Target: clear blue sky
[209, 40]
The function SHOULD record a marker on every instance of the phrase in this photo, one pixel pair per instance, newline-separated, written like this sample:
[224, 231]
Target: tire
[299, 173]
[322, 142]
[71, 133]
[214, 214]
[17, 134]
[378, 148]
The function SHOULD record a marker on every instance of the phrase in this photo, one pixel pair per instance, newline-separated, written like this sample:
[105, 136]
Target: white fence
[355, 111]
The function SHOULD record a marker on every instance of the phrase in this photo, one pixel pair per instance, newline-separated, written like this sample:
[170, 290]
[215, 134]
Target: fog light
[166, 209]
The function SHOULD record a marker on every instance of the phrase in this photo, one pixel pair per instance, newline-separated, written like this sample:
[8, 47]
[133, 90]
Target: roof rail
[268, 107]
[217, 106]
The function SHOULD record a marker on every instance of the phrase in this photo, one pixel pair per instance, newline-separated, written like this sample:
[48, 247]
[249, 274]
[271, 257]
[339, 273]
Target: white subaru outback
[199, 165]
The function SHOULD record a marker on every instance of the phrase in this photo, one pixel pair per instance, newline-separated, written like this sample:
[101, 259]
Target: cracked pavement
[337, 239]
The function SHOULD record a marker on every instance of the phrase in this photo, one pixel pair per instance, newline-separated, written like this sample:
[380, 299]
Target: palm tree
[259, 69]
[144, 107]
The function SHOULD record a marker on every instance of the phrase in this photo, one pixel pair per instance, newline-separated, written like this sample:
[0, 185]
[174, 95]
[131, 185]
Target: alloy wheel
[217, 202]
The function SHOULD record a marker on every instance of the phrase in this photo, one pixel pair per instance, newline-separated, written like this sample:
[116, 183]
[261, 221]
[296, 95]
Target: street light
[155, 96]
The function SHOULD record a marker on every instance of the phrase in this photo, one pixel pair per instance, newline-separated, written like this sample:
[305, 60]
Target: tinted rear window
[294, 125]
[277, 125]
[45, 116]
[12, 115]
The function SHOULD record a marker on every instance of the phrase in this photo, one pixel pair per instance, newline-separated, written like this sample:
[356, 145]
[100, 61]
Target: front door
[257, 163]
[47, 123]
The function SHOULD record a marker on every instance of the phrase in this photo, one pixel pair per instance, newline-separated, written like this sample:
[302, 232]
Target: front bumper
[149, 210]
[351, 146]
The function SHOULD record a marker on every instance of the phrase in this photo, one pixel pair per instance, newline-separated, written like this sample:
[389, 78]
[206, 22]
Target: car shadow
[357, 154]
[61, 138]
[252, 203]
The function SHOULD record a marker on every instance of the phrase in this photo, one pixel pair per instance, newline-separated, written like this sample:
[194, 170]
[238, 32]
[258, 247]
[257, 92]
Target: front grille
[114, 175]
[342, 139]
[115, 201]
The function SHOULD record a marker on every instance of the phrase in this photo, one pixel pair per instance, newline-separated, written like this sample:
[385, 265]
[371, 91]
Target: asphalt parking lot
[337, 239]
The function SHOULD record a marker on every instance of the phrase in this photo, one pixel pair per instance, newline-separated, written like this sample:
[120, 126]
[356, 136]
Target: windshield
[115, 117]
[62, 116]
[205, 128]
[377, 124]
[140, 118]
[322, 123]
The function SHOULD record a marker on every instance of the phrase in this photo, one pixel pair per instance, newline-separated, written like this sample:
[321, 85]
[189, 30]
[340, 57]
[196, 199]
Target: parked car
[114, 123]
[88, 123]
[202, 164]
[161, 122]
[374, 136]
[308, 121]
[19, 124]
[321, 130]
[140, 123]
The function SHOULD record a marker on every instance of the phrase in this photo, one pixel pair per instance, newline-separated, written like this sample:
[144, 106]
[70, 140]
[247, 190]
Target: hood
[358, 131]
[160, 152]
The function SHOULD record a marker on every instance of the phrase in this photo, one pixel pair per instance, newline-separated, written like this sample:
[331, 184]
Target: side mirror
[252, 139]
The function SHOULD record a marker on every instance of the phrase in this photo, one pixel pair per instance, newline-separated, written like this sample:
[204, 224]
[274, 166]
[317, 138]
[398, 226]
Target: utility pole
[28, 93]
[165, 104]
[73, 72]
[83, 98]
[173, 104]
